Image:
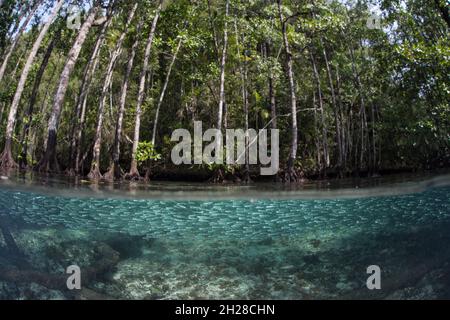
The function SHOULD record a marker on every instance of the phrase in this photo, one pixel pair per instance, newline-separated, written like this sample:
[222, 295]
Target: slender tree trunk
[13, 73]
[163, 91]
[33, 99]
[273, 102]
[213, 27]
[114, 170]
[326, 155]
[16, 41]
[344, 136]
[335, 111]
[94, 172]
[95, 166]
[362, 113]
[7, 160]
[246, 124]
[243, 72]
[134, 173]
[374, 144]
[316, 135]
[272, 98]
[218, 175]
[291, 175]
[222, 70]
[48, 161]
[2, 111]
[32, 147]
[89, 71]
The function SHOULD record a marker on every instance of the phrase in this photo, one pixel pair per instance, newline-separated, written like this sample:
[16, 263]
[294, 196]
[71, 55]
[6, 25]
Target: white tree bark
[222, 69]
[21, 86]
[163, 91]
[95, 166]
[291, 176]
[48, 161]
[134, 173]
[114, 170]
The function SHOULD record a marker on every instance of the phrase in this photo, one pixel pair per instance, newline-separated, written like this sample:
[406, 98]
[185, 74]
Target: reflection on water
[304, 248]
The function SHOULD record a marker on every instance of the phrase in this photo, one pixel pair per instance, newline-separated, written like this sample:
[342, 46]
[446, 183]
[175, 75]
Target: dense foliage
[355, 87]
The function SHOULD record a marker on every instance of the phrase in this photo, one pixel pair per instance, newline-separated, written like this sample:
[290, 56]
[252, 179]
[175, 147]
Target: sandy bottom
[415, 264]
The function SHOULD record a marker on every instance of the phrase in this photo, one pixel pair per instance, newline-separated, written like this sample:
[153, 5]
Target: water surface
[188, 241]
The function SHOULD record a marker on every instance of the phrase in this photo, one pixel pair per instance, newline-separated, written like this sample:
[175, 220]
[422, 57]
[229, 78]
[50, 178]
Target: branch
[100, 21]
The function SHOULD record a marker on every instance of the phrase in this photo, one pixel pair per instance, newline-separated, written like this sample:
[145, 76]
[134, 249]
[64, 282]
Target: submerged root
[133, 176]
[246, 178]
[47, 165]
[290, 176]
[7, 161]
[95, 174]
[114, 173]
[70, 172]
[218, 176]
[147, 176]
[109, 176]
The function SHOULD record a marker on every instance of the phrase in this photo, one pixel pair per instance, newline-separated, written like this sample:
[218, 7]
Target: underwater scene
[188, 242]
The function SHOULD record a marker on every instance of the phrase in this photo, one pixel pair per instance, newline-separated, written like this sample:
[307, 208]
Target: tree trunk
[344, 136]
[16, 41]
[48, 161]
[243, 71]
[222, 70]
[316, 136]
[2, 111]
[213, 27]
[326, 155]
[163, 91]
[95, 166]
[374, 166]
[291, 175]
[7, 160]
[362, 112]
[134, 173]
[33, 99]
[51, 87]
[218, 175]
[335, 111]
[94, 172]
[114, 169]
[272, 99]
[91, 67]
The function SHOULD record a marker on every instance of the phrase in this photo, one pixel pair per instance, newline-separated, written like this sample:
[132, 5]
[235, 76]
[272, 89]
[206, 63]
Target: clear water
[249, 243]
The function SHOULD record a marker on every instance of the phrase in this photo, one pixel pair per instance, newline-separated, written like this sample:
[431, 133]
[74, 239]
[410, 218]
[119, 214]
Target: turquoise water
[296, 247]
